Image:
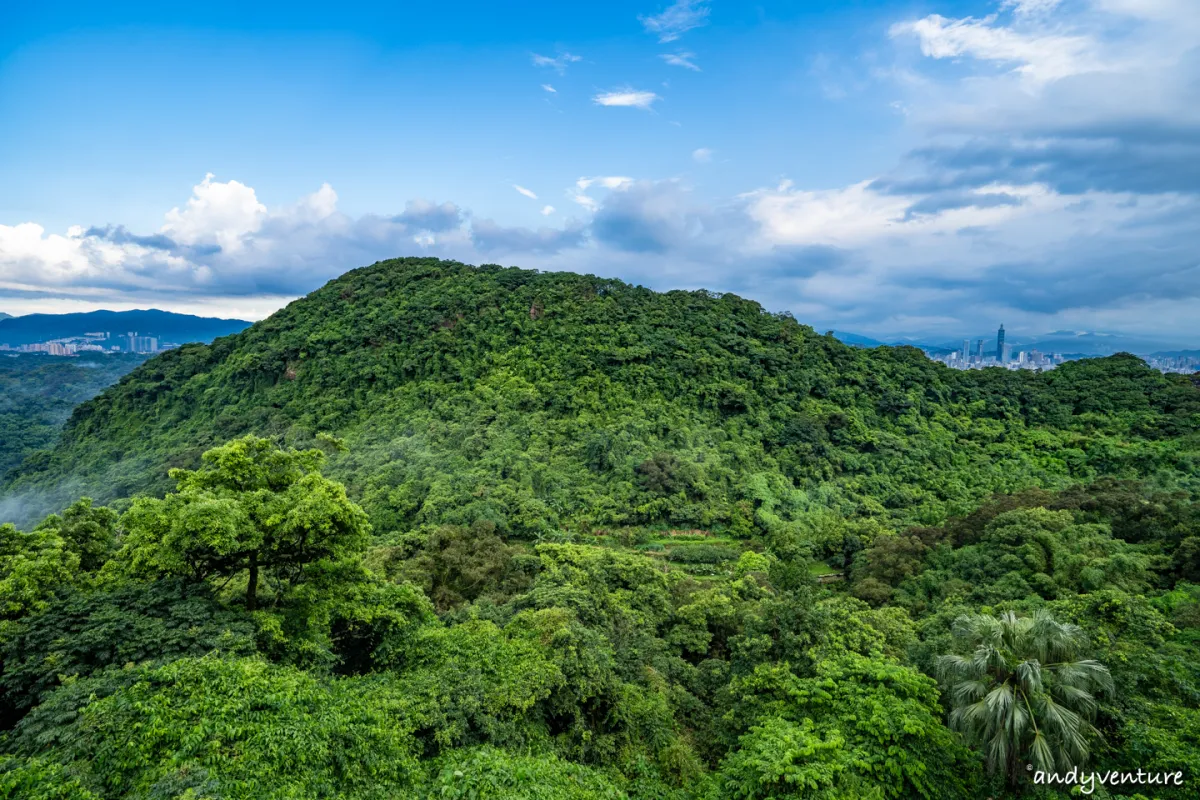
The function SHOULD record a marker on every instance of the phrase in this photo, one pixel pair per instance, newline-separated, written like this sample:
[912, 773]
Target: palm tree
[1021, 693]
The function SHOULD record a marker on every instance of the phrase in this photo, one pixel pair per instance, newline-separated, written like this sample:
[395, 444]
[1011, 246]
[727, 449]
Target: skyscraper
[966, 353]
[979, 349]
[1000, 355]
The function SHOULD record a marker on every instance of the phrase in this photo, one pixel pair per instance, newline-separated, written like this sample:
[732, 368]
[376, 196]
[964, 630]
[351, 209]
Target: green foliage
[459, 564]
[476, 685]
[81, 633]
[88, 530]
[859, 726]
[32, 565]
[780, 758]
[486, 773]
[38, 779]
[1019, 554]
[38, 392]
[251, 507]
[701, 554]
[613, 405]
[594, 541]
[237, 728]
[1021, 692]
[343, 617]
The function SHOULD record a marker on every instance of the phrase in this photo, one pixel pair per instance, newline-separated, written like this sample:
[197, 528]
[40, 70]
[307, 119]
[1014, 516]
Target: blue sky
[892, 168]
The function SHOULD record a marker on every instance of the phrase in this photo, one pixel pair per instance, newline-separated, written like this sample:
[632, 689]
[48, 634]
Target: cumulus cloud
[676, 19]
[224, 212]
[222, 243]
[630, 98]
[702, 155]
[547, 210]
[684, 60]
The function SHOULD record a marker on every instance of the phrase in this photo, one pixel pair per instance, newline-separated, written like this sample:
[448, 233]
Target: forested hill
[543, 401]
[591, 541]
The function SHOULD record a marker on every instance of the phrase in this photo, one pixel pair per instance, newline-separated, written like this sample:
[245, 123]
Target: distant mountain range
[1078, 343]
[167, 326]
[5, 316]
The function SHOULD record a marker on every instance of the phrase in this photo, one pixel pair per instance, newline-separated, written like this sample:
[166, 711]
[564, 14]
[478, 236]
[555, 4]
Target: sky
[922, 168]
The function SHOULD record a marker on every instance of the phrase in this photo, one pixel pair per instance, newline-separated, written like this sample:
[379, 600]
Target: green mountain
[542, 401]
[599, 542]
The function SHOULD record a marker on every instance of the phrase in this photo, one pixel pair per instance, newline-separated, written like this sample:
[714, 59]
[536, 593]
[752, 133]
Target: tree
[459, 564]
[251, 507]
[859, 727]
[1022, 693]
[81, 633]
[221, 727]
[91, 531]
[32, 566]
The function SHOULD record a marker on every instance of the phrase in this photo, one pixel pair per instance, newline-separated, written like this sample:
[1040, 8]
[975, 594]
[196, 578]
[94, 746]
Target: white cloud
[220, 213]
[525, 192]
[681, 60]
[860, 257]
[1039, 56]
[676, 20]
[612, 182]
[558, 63]
[547, 210]
[222, 242]
[1030, 7]
[858, 215]
[630, 98]
[549, 88]
[702, 155]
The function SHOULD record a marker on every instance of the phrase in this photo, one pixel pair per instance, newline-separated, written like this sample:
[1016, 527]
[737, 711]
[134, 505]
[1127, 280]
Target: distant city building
[979, 349]
[1000, 354]
[131, 342]
[966, 351]
[1005, 353]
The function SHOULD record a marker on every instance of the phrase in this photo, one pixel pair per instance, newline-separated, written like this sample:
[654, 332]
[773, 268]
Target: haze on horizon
[890, 168]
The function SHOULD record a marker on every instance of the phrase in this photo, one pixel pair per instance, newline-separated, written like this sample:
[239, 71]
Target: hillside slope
[544, 400]
[37, 394]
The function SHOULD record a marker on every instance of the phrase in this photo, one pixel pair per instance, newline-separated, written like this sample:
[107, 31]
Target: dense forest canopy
[38, 392]
[544, 401]
[446, 531]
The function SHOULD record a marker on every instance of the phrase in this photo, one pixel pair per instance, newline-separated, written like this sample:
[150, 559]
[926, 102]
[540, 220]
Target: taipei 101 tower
[1000, 344]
